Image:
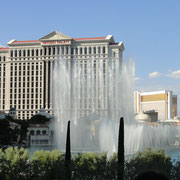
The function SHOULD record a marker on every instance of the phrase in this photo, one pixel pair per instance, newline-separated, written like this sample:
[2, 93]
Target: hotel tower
[26, 68]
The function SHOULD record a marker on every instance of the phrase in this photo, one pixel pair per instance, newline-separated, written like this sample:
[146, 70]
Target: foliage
[175, 174]
[44, 165]
[47, 165]
[155, 160]
[6, 133]
[14, 163]
[38, 119]
[89, 166]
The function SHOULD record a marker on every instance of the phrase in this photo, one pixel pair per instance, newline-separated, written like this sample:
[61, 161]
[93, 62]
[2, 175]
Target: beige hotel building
[162, 102]
[26, 68]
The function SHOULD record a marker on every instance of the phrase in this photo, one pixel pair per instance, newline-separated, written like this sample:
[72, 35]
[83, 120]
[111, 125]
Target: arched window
[49, 51]
[19, 53]
[62, 50]
[52, 133]
[32, 132]
[72, 51]
[67, 50]
[32, 52]
[24, 52]
[80, 50]
[76, 50]
[114, 54]
[28, 52]
[104, 50]
[37, 52]
[94, 50]
[38, 132]
[44, 132]
[85, 50]
[45, 51]
[99, 50]
[15, 53]
[11, 53]
[89, 50]
[54, 51]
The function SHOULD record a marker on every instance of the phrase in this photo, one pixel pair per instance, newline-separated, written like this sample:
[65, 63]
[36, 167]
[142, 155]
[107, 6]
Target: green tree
[6, 133]
[89, 166]
[39, 119]
[14, 164]
[47, 165]
[155, 160]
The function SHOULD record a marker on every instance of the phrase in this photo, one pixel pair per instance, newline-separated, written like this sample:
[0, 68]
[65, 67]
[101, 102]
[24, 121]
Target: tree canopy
[39, 119]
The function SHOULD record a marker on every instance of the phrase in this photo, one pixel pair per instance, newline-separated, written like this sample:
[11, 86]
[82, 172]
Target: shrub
[14, 163]
[148, 160]
[89, 166]
[47, 165]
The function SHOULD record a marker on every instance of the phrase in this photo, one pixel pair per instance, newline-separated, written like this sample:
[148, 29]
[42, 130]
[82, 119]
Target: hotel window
[85, 50]
[37, 52]
[49, 51]
[28, 52]
[63, 50]
[45, 51]
[58, 49]
[76, 50]
[15, 53]
[67, 50]
[99, 50]
[104, 50]
[32, 52]
[80, 50]
[54, 51]
[89, 50]
[72, 51]
[114, 54]
[19, 53]
[11, 53]
[94, 50]
[24, 52]
[41, 52]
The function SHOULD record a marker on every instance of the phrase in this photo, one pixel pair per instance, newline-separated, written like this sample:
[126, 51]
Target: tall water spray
[94, 94]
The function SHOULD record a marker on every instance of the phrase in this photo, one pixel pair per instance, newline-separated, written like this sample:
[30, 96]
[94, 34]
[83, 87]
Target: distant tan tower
[163, 102]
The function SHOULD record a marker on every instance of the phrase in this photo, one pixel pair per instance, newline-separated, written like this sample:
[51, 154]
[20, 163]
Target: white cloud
[174, 74]
[137, 78]
[154, 74]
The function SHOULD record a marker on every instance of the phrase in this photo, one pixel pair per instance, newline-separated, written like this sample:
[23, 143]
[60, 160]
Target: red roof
[4, 48]
[76, 39]
[28, 41]
[92, 38]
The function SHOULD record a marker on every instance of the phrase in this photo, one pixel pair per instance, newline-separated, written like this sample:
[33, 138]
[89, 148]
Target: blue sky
[150, 31]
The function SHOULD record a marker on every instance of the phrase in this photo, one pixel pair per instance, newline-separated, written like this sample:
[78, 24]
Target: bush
[15, 164]
[155, 160]
[89, 166]
[47, 165]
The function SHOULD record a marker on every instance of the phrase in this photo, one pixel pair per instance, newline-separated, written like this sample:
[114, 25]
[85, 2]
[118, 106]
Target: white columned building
[26, 68]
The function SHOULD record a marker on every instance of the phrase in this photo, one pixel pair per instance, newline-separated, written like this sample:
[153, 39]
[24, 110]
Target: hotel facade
[162, 102]
[26, 68]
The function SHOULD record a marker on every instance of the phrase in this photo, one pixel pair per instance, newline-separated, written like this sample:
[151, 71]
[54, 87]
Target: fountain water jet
[94, 94]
